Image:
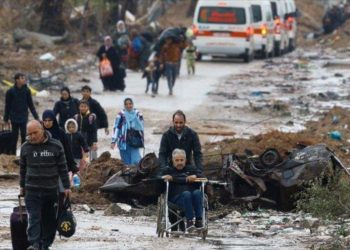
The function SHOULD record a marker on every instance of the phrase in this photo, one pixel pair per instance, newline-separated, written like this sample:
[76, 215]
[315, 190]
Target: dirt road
[242, 98]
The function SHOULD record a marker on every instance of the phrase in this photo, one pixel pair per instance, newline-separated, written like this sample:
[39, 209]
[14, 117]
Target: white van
[291, 23]
[263, 25]
[224, 28]
[281, 40]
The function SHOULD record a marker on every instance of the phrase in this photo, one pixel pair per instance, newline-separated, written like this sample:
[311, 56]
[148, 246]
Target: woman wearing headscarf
[107, 54]
[66, 107]
[122, 42]
[50, 124]
[128, 119]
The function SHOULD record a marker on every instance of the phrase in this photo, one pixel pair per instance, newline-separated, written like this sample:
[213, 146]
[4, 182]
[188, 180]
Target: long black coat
[115, 82]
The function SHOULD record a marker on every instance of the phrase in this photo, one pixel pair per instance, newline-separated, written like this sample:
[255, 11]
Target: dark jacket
[77, 143]
[87, 127]
[76, 140]
[179, 185]
[17, 102]
[189, 142]
[58, 133]
[66, 109]
[41, 165]
[101, 117]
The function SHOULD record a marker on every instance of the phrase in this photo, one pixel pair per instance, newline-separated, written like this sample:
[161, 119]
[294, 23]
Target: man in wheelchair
[183, 190]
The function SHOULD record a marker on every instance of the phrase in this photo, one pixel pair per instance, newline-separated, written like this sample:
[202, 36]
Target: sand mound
[97, 173]
[337, 119]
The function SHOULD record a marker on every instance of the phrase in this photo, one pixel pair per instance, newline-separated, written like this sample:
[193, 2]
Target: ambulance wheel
[248, 57]
[277, 49]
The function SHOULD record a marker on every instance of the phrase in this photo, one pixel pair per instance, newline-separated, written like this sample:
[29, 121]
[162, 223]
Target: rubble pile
[310, 20]
[315, 132]
[96, 174]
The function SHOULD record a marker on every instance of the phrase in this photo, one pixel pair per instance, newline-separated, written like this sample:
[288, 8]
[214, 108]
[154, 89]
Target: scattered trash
[85, 80]
[43, 93]
[88, 209]
[335, 120]
[338, 75]
[335, 135]
[47, 57]
[76, 181]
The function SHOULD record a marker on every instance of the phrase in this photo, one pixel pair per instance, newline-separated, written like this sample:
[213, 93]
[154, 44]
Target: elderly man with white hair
[183, 190]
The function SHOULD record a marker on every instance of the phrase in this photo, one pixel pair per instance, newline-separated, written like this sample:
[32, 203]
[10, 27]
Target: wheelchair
[171, 218]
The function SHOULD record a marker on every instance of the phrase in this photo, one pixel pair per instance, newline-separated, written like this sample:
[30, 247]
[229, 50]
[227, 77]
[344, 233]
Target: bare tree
[52, 22]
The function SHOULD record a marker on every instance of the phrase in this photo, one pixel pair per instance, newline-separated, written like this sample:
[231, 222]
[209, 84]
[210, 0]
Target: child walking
[191, 54]
[87, 127]
[152, 73]
[77, 143]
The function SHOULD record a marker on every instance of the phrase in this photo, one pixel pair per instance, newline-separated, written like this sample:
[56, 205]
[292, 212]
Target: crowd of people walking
[156, 55]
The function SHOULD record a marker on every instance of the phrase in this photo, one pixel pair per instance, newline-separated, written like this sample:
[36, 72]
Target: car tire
[263, 52]
[248, 57]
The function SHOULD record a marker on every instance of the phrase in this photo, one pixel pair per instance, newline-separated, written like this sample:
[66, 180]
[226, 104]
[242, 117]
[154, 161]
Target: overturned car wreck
[263, 179]
[268, 178]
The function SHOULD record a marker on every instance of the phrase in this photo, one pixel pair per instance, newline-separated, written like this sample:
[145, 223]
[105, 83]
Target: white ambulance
[224, 28]
[263, 25]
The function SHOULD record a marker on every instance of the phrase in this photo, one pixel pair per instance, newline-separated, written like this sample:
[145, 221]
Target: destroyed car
[270, 179]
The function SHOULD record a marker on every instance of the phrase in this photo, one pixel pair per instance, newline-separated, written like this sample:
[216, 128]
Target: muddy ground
[225, 100]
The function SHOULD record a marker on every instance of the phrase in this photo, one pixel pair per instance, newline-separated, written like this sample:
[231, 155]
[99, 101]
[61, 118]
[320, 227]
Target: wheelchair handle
[201, 180]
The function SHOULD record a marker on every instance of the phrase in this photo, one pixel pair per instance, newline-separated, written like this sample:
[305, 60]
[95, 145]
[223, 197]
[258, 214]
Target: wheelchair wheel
[161, 216]
[204, 232]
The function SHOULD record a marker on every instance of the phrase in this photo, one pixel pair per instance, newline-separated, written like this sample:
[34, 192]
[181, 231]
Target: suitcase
[18, 224]
[5, 140]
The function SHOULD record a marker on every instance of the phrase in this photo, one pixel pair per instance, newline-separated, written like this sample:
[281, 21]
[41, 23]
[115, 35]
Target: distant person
[170, 55]
[95, 108]
[135, 50]
[111, 75]
[122, 42]
[183, 191]
[77, 143]
[87, 126]
[42, 162]
[150, 73]
[17, 102]
[182, 137]
[66, 107]
[127, 119]
[191, 52]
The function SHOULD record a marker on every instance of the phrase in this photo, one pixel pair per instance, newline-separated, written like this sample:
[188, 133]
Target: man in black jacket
[42, 161]
[180, 136]
[17, 101]
[183, 191]
[95, 107]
